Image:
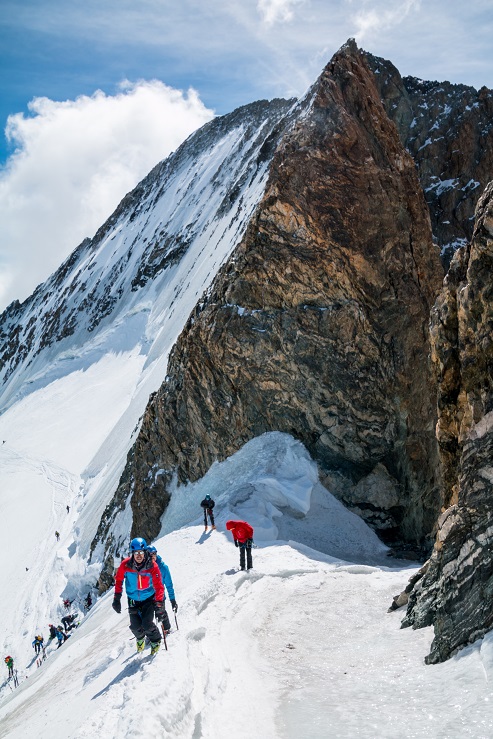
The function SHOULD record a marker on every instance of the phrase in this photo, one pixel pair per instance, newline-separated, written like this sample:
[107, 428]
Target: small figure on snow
[243, 538]
[67, 603]
[168, 582]
[52, 631]
[208, 504]
[57, 536]
[88, 601]
[145, 593]
[10, 664]
[68, 622]
[68, 509]
[38, 644]
[60, 636]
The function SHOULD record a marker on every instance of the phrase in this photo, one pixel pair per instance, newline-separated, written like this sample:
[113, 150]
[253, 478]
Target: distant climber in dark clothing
[52, 631]
[208, 504]
[57, 536]
[68, 622]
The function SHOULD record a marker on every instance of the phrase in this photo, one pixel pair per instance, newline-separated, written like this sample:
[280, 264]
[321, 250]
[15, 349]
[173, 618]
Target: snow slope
[300, 646]
[80, 357]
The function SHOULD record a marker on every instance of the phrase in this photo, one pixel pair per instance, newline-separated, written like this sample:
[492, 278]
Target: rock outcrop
[456, 594]
[317, 325]
[448, 130]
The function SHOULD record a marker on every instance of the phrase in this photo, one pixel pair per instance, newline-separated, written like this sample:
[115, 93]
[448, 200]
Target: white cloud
[381, 17]
[74, 161]
[277, 11]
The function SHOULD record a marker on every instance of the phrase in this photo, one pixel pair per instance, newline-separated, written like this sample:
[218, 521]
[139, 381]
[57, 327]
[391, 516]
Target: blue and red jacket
[140, 584]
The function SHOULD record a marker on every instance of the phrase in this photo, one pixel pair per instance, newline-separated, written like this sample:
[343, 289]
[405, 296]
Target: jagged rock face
[456, 593]
[317, 324]
[448, 130]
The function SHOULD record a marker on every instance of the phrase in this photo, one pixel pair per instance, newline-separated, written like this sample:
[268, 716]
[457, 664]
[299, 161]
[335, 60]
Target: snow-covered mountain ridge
[97, 334]
[316, 326]
[81, 358]
[182, 219]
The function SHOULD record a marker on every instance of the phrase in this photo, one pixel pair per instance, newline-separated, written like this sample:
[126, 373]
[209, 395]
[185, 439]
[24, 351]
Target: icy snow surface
[301, 646]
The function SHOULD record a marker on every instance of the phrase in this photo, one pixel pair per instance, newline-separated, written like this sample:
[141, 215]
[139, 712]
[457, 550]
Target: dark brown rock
[448, 130]
[456, 593]
[317, 325]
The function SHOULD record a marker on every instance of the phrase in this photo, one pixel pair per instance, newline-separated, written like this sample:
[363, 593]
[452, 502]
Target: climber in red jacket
[243, 538]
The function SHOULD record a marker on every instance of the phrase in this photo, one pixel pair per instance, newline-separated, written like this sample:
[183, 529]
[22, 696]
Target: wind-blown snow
[40, 423]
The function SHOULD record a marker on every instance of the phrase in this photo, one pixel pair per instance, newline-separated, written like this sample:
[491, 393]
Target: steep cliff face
[448, 130]
[316, 325]
[456, 594]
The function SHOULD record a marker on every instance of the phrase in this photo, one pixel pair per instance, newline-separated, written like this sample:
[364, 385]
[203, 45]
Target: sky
[94, 94]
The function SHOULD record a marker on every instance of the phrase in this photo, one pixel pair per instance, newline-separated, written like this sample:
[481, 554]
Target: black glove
[174, 605]
[117, 605]
[236, 543]
[159, 610]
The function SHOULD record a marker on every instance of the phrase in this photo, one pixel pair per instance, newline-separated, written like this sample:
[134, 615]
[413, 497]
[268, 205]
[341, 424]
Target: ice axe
[164, 636]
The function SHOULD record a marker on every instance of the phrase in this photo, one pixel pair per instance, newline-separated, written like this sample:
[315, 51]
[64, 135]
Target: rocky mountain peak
[316, 325]
[448, 130]
[288, 249]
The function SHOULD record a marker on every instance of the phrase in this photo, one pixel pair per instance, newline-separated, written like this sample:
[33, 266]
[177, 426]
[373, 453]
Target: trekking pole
[176, 622]
[164, 636]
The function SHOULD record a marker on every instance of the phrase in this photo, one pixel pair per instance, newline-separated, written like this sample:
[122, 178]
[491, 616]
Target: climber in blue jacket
[165, 576]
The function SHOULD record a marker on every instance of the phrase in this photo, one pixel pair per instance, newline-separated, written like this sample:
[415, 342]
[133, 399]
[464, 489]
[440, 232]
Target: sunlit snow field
[302, 646]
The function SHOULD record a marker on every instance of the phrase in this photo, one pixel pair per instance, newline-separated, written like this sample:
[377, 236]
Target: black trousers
[142, 619]
[245, 548]
[211, 516]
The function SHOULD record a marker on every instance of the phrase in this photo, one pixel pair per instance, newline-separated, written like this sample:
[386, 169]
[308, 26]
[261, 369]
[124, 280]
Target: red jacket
[140, 584]
[241, 530]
